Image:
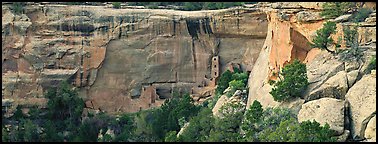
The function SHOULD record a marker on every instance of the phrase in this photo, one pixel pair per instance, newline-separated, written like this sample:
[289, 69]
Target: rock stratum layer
[111, 55]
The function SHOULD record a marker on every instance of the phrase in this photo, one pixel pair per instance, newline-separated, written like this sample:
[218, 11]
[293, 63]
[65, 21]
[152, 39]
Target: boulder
[295, 105]
[320, 69]
[362, 100]
[306, 16]
[334, 87]
[352, 77]
[221, 101]
[324, 110]
[237, 93]
[370, 132]
[344, 136]
[342, 18]
[350, 66]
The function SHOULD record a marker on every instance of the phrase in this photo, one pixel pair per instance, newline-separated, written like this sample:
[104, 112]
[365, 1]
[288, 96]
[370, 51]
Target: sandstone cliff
[110, 54]
[328, 98]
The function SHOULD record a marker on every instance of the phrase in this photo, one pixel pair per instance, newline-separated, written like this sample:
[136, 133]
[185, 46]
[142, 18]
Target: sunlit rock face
[111, 54]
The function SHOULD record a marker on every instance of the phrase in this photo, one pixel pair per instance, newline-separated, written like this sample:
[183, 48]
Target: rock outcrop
[362, 99]
[110, 54]
[371, 129]
[324, 110]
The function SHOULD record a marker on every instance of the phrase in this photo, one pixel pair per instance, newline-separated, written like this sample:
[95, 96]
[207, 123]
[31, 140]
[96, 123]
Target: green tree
[361, 15]
[18, 7]
[30, 133]
[294, 82]
[64, 106]
[171, 136]
[167, 116]
[227, 127]
[292, 131]
[5, 135]
[335, 9]
[127, 128]
[372, 65]
[199, 127]
[251, 117]
[116, 5]
[322, 39]
[351, 40]
[223, 81]
[50, 134]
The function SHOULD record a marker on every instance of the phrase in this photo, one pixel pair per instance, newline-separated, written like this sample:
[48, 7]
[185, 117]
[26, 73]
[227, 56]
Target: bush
[372, 65]
[292, 131]
[64, 105]
[199, 127]
[223, 81]
[171, 137]
[18, 7]
[361, 15]
[226, 128]
[116, 5]
[351, 40]
[251, 117]
[236, 85]
[335, 9]
[294, 82]
[322, 39]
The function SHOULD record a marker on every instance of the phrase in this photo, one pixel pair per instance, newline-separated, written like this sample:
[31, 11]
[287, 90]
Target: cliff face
[110, 55]
[334, 94]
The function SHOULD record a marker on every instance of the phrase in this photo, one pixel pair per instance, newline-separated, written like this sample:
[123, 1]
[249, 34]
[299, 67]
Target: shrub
[18, 7]
[252, 115]
[199, 127]
[226, 128]
[170, 137]
[116, 5]
[223, 81]
[64, 105]
[322, 39]
[372, 65]
[236, 85]
[351, 40]
[361, 15]
[292, 131]
[335, 9]
[294, 82]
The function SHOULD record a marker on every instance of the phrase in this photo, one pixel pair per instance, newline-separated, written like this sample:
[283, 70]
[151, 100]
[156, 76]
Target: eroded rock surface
[112, 53]
[324, 110]
[362, 99]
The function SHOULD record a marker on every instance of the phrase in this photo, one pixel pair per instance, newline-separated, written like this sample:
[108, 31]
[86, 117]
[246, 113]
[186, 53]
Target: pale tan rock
[221, 101]
[362, 99]
[370, 131]
[352, 77]
[324, 110]
[343, 137]
[334, 87]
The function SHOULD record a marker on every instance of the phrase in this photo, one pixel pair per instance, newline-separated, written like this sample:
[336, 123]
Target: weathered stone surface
[221, 101]
[285, 41]
[117, 50]
[319, 70]
[371, 129]
[334, 87]
[352, 77]
[305, 16]
[342, 18]
[343, 137]
[362, 99]
[324, 110]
